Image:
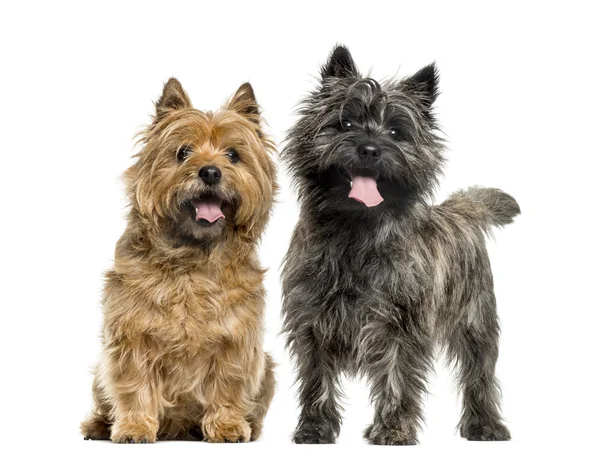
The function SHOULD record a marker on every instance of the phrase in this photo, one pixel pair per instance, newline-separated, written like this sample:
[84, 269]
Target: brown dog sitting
[183, 305]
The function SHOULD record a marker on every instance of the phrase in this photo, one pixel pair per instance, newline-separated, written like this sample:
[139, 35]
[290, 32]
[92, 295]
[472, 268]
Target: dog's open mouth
[207, 210]
[363, 183]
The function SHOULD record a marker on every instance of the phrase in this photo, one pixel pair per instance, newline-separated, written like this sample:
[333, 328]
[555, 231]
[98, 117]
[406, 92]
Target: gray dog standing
[375, 277]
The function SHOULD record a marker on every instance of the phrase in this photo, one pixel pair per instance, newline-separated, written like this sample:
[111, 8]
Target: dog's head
[200, 173]
[360, 144]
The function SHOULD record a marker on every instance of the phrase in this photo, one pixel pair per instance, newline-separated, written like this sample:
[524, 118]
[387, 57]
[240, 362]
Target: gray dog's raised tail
[485, 206]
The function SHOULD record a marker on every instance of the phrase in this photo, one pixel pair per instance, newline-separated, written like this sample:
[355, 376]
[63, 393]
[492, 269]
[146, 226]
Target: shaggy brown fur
[183, 305]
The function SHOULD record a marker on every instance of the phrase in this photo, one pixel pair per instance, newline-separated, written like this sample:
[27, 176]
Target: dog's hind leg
[473, 347]
[396, 363]
[97, 425]
[263, 400]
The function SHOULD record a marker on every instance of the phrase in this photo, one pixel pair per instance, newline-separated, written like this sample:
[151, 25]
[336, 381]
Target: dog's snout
[369, 150]
[210, 174]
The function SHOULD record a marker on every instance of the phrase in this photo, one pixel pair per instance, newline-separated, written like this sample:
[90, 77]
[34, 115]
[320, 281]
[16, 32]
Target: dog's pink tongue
[364, 189]
[208, 209]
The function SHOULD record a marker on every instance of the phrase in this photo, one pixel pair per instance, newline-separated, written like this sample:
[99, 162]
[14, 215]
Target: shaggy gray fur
[372, 291]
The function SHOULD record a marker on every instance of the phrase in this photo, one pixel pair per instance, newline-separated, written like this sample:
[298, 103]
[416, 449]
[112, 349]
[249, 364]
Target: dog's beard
[361, 178]
[348, 182]
[332, 194]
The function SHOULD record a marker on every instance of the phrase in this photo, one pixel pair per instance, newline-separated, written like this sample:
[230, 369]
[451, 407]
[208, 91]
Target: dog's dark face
[202, 172]
[364, 146]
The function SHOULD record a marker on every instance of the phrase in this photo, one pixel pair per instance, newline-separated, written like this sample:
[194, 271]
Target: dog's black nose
[369, 150]
[210, 174]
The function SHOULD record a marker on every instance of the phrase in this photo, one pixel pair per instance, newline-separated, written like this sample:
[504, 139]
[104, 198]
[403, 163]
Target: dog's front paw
[381, 435]
[227, 433]
[141, 431]
[485, 431]
[314, 433]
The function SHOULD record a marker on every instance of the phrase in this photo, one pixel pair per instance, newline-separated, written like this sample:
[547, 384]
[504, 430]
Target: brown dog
[183, 305]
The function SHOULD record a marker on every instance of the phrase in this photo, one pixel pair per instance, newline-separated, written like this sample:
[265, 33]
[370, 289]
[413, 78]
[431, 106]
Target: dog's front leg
[318, 377]
[396, 363]
[131, 386]
[226, 394]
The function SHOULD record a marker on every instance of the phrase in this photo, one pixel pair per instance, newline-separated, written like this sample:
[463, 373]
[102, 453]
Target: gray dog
[375, 277]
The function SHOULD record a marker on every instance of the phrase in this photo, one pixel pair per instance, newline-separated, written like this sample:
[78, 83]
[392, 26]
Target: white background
[519, 106]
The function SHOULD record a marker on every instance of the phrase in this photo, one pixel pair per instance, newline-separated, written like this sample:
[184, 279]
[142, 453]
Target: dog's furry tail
[486, 207]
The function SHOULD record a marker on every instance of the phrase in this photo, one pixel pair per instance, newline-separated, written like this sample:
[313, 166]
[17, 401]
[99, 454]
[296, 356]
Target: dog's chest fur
[187, 309]
[347, 281]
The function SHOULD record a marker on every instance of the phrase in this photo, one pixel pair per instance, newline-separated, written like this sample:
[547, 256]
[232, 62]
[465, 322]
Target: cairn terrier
[183, 305]
[375, 277]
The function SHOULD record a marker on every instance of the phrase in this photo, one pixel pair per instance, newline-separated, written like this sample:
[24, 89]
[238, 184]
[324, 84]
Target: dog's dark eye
[396, 134]
[347, 125]
[232, 155]
[183, 152]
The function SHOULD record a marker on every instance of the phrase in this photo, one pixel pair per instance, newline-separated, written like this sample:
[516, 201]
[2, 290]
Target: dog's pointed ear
[425, 84]
[244, 102]
[173, 97]
[340, 64]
